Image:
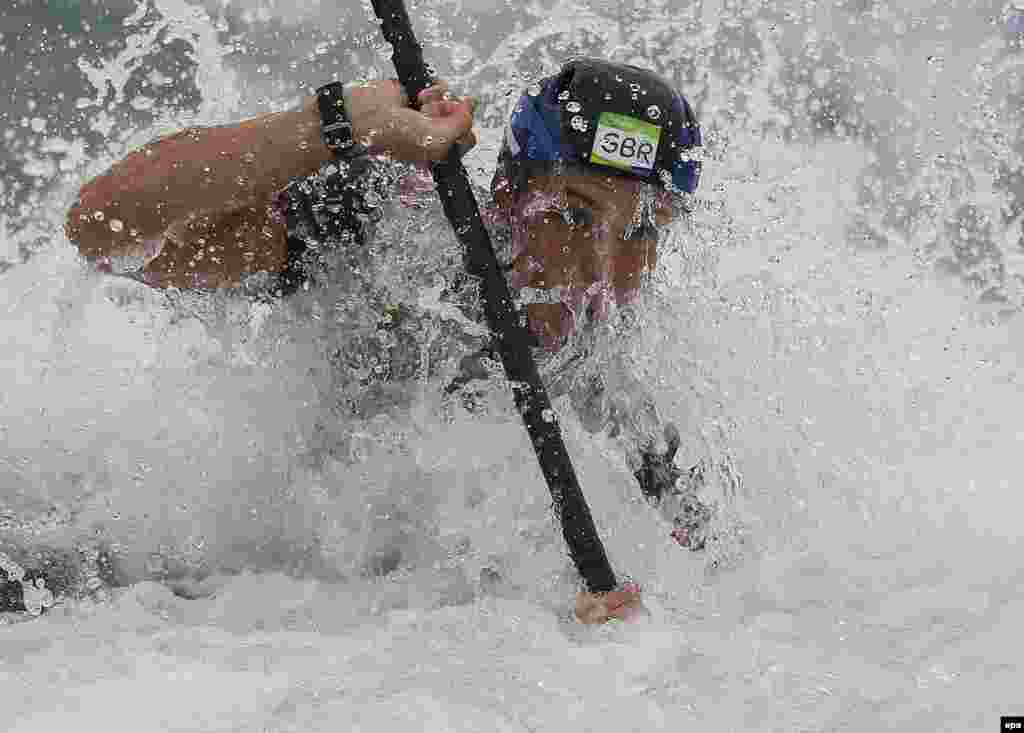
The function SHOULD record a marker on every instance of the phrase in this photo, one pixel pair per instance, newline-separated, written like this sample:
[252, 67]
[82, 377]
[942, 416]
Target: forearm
[196, 170]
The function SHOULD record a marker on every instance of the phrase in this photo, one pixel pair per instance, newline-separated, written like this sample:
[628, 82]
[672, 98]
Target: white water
[869, 397]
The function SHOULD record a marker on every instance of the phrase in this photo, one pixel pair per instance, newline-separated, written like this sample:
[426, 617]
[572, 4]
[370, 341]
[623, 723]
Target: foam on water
[799, 329]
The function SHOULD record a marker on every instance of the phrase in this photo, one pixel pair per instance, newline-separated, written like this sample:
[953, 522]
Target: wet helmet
[616, 118]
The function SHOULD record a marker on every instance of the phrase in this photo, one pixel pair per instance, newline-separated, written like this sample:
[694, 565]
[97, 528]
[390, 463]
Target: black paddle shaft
[513, 339]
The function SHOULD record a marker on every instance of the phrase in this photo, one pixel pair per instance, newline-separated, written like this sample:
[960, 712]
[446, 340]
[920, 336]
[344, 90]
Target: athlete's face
[586, 239]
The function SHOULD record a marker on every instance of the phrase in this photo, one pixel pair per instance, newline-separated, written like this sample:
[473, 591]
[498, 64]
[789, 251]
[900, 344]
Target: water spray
[511, 335]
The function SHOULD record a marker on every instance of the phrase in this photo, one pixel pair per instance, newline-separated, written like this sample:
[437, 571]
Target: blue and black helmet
[617, 118]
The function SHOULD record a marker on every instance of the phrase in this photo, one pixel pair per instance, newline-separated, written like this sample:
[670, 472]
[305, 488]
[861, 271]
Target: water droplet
[654, 112]
[116, 225]
[607, 96]
[574, 107]
[263, 69]
[562, 96]
[578, 123]
[548, 415]
[249, 157]
[533, 90]
[97, 215]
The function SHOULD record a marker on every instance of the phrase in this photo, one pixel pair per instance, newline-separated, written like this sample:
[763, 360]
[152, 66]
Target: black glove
[658, 473]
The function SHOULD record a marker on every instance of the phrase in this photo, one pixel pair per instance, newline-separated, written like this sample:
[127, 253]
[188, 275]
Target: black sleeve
[333, 207]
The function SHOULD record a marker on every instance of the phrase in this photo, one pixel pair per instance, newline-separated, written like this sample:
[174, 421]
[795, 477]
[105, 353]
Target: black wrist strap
[335, 125]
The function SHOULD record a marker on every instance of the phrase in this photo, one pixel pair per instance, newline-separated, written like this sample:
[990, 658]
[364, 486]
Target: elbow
[115, 216]
[82, 236]
[79, 229]
[82, 218]
[88, 225]
[73, 224]
[107, 244]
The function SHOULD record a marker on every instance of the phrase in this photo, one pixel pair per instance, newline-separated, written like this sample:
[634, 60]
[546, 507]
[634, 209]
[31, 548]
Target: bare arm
[210, 172]
[192, 171]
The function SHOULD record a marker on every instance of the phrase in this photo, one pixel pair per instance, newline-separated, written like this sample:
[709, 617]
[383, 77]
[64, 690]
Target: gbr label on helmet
[625, 142]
